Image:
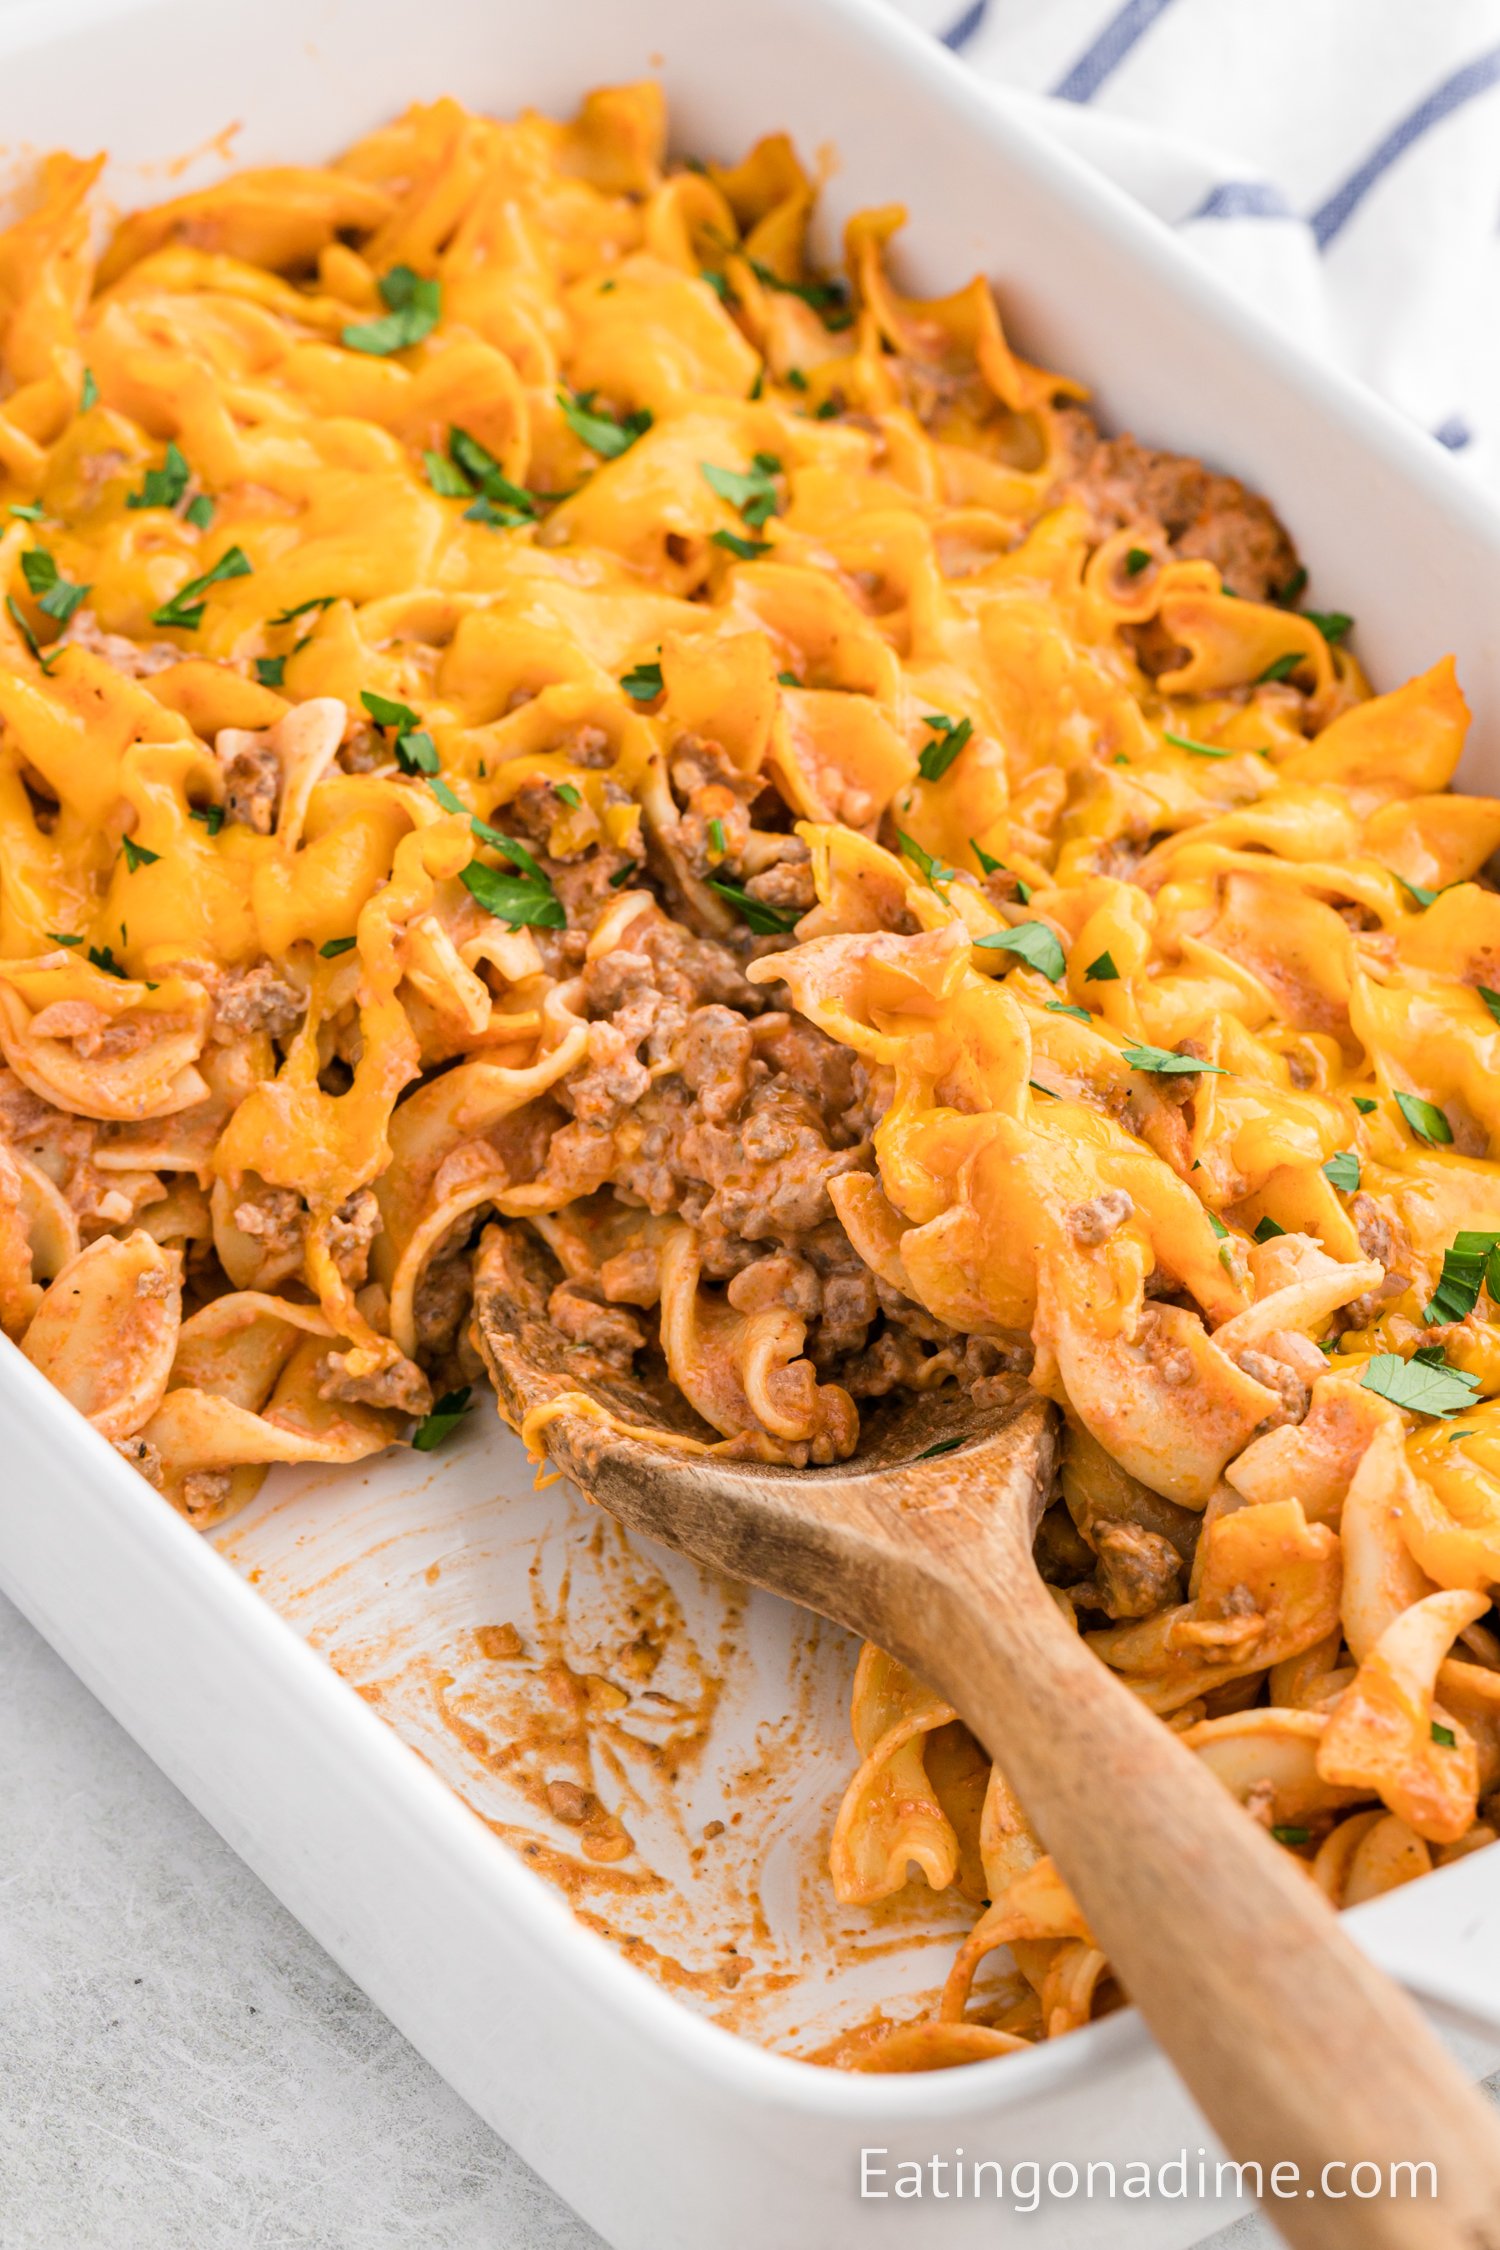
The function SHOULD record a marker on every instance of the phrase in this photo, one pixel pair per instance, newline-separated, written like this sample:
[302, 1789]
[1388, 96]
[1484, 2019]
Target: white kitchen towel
[1338, 160]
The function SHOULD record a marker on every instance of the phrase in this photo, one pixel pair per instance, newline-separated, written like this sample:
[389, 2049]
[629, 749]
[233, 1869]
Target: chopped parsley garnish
[89, 395]
[1102, 971]
[1291, 1834]
[744, 550]
[766, 920]
[1491, 1000]
[717, 282]
[944, 1445]
[933, 870]
[58, 938]
[136, 855]
[622, 875]
[1295, 586]
[643, 683]
[1331, 623]
[270, 670]
[1342, 1171]
[1425, 1119]
[471, 469]
[568, 793]
[1364, 1105]
[1136, 560]
[415, 750]
[787, 679]
[450, 801]
[29, 511]
[524, 900]
[795, 380]
[199, 511]
[604, 434]
[301, 609]
[823, 296]
[1038, 1088]
[163, 487]
[1198, 749]
[1470, 1262]
[1444, 1736]
[332, 947]
[1417, 892]
[716, 842]
[1067, 1008]
[442, 1421]
[184, 611]
[17, 616]
[1037, 946]
[938, 755]
[1421, 1385]
[1280, 668]
[413, 304]
[826, 410]
[54, 595]
[102, 957]
[1266, 1229]
[212, 817]
[1162, 1062]
[752, 491]
[1218, 1225]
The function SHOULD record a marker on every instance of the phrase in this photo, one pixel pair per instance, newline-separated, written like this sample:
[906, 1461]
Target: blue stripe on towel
[1109, 49]
[958, 35]
[1476, 77]
[1243, 199]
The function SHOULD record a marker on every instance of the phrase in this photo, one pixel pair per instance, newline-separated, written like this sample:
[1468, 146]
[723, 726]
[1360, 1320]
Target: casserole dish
[497, 1985]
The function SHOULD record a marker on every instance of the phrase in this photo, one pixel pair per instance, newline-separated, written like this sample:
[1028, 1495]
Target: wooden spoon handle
[1298, 2049]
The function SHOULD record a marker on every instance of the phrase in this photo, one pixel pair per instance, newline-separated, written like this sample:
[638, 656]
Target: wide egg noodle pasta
[538, 727]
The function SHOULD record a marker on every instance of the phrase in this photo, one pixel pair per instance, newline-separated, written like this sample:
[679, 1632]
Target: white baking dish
[662, 2129]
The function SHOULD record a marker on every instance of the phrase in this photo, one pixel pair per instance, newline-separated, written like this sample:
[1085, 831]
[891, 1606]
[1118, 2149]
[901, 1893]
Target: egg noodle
[538, 725]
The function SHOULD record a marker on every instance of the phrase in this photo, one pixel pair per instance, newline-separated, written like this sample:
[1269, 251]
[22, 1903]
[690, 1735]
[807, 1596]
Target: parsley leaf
[1102, 971]
[1295, 586]
[1289, 1833]
[163, 487]
[1067, 1008]
[521, 900]
[1280, 668]
[931, 869]
[643, 683]
[136, 855]
[269, 670]
[717, 282]
[58, 938]
[212, 816]
[951, 736]
[54, 595]
[332, 947]
[1425, 1119]
[823, 296]
[1415, 891]
[1444, 1736]
[89, 395]
[472, 467]
[1419, 1385]
[1136, 560]
[1331, 623]
[1342, 1171]
[387, 713]
[753, 490]
[446, 478]
[568, 793]
[1464, 1271]
[416, 753]
[184, 610]
[1491, 1001]
[1364, 1105]
[603, 433]
[766, 920]
[622, 875]
[28, 511]
[745, 550]
[300, 609]
[1037, 946]
[1163, 1063]
[414, 305]
[1267, 1229]
[1218, 1226]
[1198, 749]
[442, 1421]
[716, 838]
[199, 511]
[102, 957]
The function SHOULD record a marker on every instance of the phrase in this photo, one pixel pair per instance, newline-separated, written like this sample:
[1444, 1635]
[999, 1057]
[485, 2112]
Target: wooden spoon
[1296, 2048]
